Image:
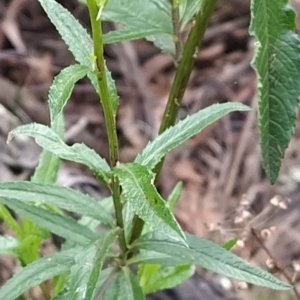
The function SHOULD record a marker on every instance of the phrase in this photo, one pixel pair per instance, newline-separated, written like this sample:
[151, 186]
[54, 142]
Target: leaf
[62, 87]
[37, 272]
[59, 283]
[140, 192]
[78, 41]
[277, 64]
[63, 226]
[71, 31]
[47, 170]
[80, 153]
[62, 197]
[29, 249]
[153, 278]
[128, 215]
[190, 126]
[154, 257]
[210, 256]
[230, 244]
[9, 221]
[191, 9]
[8, 244]
[86, 270]
[139, 19]
[124, 286]
[174, 196]
[163, 41]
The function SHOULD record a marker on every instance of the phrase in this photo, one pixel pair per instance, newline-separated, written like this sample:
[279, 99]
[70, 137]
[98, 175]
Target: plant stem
[176, 29]
[180, 83]
[185, 67]
[277, 265]
[109, 114]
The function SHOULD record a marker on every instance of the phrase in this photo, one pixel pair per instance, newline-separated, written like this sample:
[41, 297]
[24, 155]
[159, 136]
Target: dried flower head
[270, 263]
[265, 233]
[243, 285]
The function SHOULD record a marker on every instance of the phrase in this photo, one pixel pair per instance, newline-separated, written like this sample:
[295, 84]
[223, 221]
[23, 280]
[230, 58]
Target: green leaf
[8, 244]
[80, 153]
[71, 31]
[174, 196]
[29, 228]
[277, 64]
[86, 271]
[59, 283]
[190, 126]
[62, 197]
[63, 226]
[47, 170]
[189, 11]
[29, 249]
[128, 215]
[153, 278]
[79, 43]
[139, 190]
[124, 286]
[37, 272]
[163, 41]
[62, 87]
[230, 244]
[154, 257]
[9, 221]
[139, 19]
[210, 256]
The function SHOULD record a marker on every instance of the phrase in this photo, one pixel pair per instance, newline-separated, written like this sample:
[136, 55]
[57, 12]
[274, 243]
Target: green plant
[161, 252]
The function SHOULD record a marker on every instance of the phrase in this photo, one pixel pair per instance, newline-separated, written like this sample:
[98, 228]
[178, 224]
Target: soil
[220, 168]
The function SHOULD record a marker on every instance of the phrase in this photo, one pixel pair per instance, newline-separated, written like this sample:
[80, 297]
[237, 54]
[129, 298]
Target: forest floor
[225, 192]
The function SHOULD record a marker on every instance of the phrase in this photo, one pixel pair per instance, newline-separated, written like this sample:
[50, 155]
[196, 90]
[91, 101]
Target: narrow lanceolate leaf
[139, 19]
[80, 153]
[61, 197]
[47, 169]
[190, 126]
[63, 226]
[155, 278]
[277, 64]
[140, 192]
[62, 87]
[71, 31]
[174, 196]
[210, 256]
[37, 272]
[124, 286]
[154, 257]
[9, 220]
[230, 244]
[8, 244]
[86, 270]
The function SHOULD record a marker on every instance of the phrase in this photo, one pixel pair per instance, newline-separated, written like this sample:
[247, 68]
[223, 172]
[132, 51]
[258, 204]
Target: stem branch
[180, 83]
[277, 265]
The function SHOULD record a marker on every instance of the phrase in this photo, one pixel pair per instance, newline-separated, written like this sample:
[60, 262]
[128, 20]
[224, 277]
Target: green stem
[185, 67]
[180, 83]
[176, 30]
[109, 114]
